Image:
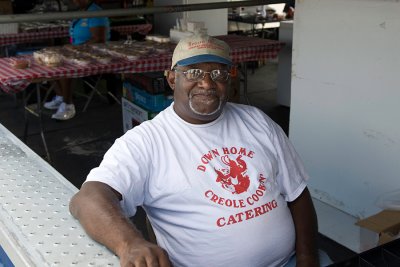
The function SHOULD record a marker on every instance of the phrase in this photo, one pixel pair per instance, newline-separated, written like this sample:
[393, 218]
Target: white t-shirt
[215, 193]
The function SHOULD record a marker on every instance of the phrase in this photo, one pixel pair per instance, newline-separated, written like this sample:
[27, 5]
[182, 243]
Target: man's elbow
[74, 205]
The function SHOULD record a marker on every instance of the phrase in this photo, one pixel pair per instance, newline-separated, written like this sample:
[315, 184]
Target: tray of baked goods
[59, 25]
[102, 53]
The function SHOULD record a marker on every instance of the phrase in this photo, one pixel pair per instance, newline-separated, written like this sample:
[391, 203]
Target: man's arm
[97, 208]
[306, 226]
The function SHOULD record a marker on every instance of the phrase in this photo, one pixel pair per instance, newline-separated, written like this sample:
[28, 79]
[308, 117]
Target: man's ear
[170, 76]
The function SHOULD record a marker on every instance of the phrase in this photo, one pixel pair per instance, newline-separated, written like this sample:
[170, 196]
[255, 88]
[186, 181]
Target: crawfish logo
[234, 177]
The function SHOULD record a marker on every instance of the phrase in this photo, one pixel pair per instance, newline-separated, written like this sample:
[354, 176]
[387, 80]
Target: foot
[54, 103]
[64, 112]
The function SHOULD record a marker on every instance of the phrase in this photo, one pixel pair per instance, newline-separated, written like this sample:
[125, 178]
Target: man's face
[199, 101]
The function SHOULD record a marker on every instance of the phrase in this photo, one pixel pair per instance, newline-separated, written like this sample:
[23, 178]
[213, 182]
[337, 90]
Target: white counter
[36, 228]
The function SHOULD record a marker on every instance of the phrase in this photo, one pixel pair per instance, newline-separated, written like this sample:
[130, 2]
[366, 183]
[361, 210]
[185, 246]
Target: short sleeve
[291, 176]
[124, 169]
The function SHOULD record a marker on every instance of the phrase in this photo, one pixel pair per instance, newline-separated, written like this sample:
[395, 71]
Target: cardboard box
[379, 229]
[133, 115]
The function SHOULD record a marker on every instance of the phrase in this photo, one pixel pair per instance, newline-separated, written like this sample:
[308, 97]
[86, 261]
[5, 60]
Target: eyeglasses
[197, 75]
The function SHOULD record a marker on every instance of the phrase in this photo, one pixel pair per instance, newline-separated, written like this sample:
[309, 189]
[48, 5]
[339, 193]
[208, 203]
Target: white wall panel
[216, 20]
[345, 99]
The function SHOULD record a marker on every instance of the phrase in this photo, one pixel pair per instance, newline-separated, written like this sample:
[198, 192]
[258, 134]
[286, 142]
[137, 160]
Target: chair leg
[37, 112]
[27, 110]
[114, 97]
[94, 91]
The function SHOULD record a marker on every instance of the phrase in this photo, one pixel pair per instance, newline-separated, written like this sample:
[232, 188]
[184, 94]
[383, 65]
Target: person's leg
[56, 101]
[66, 110]
[66, 90]
[57, 88]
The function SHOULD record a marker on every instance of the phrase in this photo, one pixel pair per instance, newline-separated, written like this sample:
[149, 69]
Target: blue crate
[151, 102]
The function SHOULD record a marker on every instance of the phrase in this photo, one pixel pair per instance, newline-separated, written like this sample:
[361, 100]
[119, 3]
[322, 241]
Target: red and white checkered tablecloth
[26, 37]
[243, 49]
[15, 80]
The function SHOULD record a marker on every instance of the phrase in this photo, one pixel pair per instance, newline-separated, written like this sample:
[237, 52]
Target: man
[220, 182]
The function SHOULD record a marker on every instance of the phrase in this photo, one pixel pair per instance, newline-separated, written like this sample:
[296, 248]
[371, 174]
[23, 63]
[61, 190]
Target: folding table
[243, 49]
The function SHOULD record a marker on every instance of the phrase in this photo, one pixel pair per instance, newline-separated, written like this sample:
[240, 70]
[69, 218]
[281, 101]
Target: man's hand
[97, 208]
[141, 253]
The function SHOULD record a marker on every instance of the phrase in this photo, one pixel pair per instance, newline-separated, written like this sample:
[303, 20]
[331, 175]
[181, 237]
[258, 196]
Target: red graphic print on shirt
[234, 177]
[246, 202]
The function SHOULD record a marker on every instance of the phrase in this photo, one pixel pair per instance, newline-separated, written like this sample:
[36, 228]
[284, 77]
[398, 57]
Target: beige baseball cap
[200, 48]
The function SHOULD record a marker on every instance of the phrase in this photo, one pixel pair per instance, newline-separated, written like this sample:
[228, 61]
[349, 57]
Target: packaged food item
[37, 56]
[83, 55]
[101, 58]
[52, 60]
[47, 58]
[20, 63]
[158, 38]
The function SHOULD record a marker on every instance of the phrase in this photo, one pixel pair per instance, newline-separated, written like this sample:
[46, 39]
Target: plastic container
[152, 102]
[20, 63]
